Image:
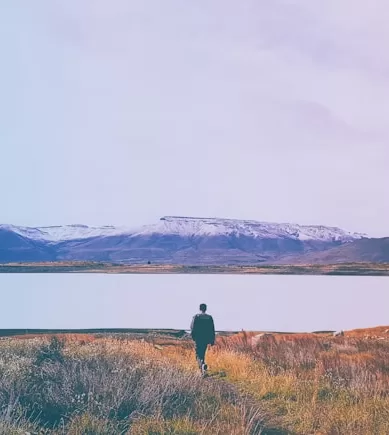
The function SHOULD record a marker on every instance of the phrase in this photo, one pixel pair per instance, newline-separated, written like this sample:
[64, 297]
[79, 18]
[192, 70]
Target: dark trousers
[201, 348]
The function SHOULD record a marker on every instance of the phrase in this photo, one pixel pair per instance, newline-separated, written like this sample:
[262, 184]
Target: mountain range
[192, 241]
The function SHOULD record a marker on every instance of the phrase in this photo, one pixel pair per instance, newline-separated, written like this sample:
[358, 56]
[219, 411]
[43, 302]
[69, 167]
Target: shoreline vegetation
[147, 382]
[136, 333]
[353, 269]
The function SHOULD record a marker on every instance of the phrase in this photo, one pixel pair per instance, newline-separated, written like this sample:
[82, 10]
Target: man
[203, 333]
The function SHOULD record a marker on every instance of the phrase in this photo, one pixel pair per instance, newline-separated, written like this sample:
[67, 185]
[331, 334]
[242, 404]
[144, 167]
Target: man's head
[203, 308]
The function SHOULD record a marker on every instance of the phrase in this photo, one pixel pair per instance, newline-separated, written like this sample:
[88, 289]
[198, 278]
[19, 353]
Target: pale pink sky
[120, 112]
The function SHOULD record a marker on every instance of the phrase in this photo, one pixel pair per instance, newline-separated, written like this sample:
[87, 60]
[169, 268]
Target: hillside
[364, 250]
[15, 247]
[191, 241]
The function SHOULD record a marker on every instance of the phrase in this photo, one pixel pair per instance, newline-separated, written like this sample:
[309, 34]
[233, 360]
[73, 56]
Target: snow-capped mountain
[66, 232]
[175, 240]
[188, 227]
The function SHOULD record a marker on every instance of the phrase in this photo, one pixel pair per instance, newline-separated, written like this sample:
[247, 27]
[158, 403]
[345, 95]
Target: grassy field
[118, 384]
[367, 269]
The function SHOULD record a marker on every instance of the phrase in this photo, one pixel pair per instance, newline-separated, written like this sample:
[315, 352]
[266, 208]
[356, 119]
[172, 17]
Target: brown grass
[338, 385]
[299, 383]
[111, 386]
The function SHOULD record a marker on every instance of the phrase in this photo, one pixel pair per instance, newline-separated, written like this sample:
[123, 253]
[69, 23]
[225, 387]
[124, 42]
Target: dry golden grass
[111, 386]
[301, 383]
[335, 385]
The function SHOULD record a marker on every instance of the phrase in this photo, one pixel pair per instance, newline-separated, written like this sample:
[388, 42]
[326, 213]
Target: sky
[264, 303]
[122, 112]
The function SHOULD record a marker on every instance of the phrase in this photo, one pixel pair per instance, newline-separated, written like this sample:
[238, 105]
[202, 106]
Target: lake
[276, 302]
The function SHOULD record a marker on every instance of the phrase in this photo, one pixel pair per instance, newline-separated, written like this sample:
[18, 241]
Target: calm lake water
[282, 303]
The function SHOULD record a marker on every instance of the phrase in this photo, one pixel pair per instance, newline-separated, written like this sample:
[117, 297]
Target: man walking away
[203, 333]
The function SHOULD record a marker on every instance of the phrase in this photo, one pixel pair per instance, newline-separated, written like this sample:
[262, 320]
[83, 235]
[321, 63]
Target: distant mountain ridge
[189, 226]
[184, 240]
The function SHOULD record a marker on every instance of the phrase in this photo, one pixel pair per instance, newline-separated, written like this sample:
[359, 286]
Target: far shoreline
[338, 269]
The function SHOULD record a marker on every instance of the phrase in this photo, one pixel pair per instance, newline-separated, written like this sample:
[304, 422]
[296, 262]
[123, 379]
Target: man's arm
[193, 327]
[212, 331]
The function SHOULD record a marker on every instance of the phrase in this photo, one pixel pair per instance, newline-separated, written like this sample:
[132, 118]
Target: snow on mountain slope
[66, 232]
[191, 226]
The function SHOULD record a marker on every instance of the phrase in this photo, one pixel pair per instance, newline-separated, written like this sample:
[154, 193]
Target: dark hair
[203, 307]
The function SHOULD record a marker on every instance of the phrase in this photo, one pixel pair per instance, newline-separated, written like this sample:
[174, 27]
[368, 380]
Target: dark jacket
[203, 328]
